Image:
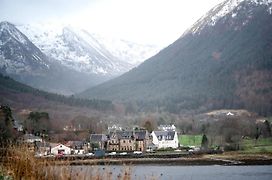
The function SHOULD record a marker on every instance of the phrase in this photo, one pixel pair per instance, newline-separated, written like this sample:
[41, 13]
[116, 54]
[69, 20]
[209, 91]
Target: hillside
[16, 94]
[223, 61]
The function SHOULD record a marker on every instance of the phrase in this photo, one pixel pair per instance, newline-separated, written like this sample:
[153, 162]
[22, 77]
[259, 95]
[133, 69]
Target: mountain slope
[10, 89]
[223, 61]
[21, 55]
[22, 60]
[24, 99]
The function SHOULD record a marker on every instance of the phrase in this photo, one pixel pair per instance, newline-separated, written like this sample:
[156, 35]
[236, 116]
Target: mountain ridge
[118, 56]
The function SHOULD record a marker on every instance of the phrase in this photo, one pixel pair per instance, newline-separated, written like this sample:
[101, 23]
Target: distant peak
[223, 9]
[10, 30]
[5, 24]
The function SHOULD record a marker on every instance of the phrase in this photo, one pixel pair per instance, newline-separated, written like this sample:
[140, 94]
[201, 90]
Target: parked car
[150, 151]
[123, 153]
[138, 152]
[112, 153]
[90, 154]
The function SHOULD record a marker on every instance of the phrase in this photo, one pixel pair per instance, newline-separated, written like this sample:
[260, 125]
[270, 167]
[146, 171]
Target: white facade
[30, 138]
[164, 139]
[60, 149]
[114, 128]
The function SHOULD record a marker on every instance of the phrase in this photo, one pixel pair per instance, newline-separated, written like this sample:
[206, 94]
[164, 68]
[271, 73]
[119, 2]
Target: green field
[190, 140]
[262, 145]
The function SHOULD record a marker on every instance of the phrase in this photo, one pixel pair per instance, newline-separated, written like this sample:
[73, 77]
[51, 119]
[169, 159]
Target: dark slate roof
[74, 144]
[125, 134]
[140, 135]
[168, 135]
[98, 137]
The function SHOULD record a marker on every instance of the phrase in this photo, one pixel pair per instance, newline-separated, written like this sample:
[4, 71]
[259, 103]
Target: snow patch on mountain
[74, 48]
[224, 8]
[6, 27]
[17, 54]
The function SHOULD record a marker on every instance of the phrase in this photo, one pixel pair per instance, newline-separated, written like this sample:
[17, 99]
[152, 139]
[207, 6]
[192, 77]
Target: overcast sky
[144, 21]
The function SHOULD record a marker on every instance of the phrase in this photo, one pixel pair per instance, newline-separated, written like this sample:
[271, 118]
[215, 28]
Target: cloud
[145, 21]
[40, 10]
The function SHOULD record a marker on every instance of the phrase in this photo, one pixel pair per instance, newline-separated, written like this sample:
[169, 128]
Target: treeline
[7, 132]
[10, 84]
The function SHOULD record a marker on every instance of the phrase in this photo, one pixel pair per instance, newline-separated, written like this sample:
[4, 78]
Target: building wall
[127, 145]
[140, 145]
[165, 143]
[155, 139]
[113, 144]
[61, 147]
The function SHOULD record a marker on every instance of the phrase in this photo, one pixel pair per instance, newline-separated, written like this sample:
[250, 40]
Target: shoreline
[196, 160]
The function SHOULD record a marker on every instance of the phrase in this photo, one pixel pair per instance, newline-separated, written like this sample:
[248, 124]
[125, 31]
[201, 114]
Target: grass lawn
[190, 140]
[262, 145]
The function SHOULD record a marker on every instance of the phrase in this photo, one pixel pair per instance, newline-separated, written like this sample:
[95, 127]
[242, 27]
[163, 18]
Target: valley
[71, 97]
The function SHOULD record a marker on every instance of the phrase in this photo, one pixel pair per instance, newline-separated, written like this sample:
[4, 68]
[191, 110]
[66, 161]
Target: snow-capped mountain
[25, 62]
[18, 54]
[76, 49]
[53, 57]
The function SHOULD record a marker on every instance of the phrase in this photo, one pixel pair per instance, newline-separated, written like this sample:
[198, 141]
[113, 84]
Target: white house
[165, 139]
[167, 127]
[60, 149]
[114, 128]
[30, 138]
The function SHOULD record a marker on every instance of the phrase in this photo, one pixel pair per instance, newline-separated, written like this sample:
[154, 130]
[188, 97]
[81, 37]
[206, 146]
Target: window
[124, 141]
[129, 141]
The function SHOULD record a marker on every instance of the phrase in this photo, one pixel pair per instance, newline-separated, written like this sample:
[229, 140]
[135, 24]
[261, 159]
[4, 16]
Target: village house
[113, 142]
[167, 127]
[98, 141]
[30, 138]
[77, 147]
[142, 140]
[59, 149]
[126, 140]
[165, 139]
[114, 127]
